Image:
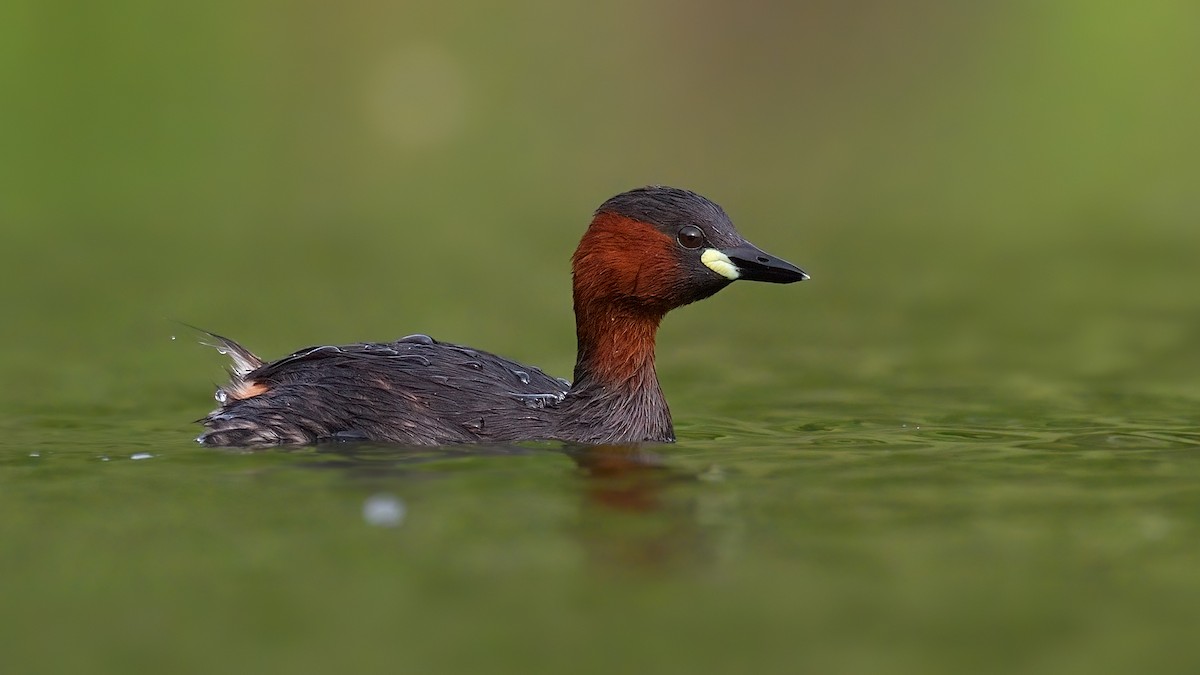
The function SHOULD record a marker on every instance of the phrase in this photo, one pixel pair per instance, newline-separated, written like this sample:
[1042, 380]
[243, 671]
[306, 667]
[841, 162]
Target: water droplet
[417, 338]
[221, 396]
[140, 455]
[383, 510]
[473, 365]
[474, 425]
[103, 458]
[35, 454]
[172, 338]
[565, 382]
[521, 375]
[539, 400]
[415, 358]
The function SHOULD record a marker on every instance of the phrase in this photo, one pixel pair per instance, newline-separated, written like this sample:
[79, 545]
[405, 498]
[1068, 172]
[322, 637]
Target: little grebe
[646, 252]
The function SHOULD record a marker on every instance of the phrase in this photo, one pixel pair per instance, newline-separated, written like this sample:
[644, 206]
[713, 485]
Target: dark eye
[690, 236]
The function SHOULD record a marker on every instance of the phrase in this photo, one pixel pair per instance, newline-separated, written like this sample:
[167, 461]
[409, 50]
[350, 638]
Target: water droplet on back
[539, 400]
[417, 338]
[521, 375]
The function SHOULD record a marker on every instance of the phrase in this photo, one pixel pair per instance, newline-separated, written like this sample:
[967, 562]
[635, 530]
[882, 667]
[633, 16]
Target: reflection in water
[624, 478]
[371, 461]
[638, 512]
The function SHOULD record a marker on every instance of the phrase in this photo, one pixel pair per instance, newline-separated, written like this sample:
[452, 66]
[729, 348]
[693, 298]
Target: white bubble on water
[140, 455]
[383, 510]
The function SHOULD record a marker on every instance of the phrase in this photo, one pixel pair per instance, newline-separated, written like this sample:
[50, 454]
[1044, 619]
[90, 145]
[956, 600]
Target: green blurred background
[997, 202]
[959, 178]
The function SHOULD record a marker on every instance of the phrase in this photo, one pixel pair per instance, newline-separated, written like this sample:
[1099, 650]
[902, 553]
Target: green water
[947, 530]
[970, 444]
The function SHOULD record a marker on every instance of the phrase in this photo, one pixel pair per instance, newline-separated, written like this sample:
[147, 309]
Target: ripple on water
[1119, 440]
[977, 436]
[867, 442]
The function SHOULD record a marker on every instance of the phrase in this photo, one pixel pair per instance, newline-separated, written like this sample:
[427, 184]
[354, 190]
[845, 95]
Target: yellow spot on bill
[720, 263]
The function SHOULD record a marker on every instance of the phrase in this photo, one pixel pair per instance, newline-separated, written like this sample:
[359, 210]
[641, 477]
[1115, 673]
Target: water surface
[836, 542]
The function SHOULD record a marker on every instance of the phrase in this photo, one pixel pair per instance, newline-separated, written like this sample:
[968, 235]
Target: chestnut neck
[620, 270]
[615, 397]
[615, 345]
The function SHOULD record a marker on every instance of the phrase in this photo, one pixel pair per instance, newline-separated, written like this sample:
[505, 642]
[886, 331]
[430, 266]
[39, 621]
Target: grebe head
[657, 248]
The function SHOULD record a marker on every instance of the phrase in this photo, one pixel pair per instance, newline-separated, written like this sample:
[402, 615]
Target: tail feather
[244, 360]
[230, 432]
[225, 426]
